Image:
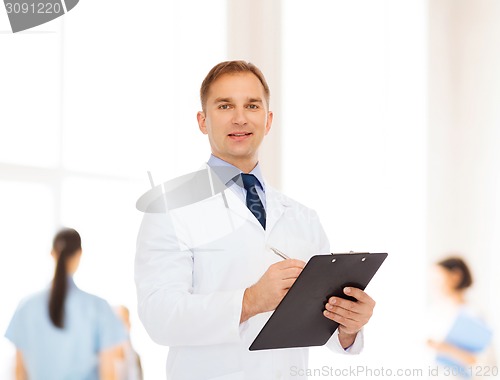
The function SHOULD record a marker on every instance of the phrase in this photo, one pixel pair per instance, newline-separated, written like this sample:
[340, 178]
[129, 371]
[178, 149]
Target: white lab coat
[192, 267]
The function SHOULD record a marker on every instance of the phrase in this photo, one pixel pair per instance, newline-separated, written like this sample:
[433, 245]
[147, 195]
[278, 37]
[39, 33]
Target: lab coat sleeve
[171, 313]
[356, 348]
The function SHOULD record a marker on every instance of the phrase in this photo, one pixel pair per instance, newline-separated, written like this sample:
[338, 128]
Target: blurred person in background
[129, 363]
[462, 340]
[63, 332]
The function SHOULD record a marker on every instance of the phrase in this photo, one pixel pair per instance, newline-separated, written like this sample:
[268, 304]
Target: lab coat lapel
[276, 204]
[240, 208]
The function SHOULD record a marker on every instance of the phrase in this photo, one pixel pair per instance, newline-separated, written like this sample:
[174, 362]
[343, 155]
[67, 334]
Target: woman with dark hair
[458, 278]
[63, 332]
[467, 336]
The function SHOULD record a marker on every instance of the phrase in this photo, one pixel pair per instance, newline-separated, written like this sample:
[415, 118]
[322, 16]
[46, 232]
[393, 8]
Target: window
[89, 104]
[354, 132]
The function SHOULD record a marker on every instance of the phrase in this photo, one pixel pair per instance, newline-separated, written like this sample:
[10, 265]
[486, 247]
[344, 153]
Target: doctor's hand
[268, 292]
[351, 316]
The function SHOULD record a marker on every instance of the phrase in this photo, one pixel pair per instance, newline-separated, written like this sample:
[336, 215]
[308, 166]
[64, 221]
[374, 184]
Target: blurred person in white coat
[206, 279]
[460, 335]
[128, 364]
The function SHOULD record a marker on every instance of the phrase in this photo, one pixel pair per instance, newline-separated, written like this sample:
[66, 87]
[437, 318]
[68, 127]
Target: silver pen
[279, 253]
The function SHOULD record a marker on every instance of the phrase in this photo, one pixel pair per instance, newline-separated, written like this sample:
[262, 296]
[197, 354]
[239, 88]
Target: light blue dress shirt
[236, 184]
[71, 353]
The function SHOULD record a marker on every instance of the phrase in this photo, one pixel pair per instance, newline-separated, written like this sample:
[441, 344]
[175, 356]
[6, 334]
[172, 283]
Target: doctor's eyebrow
[231, 100]
[223, 100]
[254, 100]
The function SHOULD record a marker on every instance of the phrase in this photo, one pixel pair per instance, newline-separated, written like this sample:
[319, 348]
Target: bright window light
[354, 149]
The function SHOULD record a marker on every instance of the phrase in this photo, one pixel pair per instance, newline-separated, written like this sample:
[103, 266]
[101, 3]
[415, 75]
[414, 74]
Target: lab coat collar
[276, 204]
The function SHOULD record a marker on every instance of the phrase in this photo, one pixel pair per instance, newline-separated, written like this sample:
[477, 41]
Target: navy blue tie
[254, 203]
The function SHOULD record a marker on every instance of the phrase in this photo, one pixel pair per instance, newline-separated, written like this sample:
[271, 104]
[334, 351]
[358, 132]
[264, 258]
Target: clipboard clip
[350, 252]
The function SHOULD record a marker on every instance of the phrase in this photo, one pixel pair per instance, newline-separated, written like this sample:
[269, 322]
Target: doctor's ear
[200, 116]
[269, 122]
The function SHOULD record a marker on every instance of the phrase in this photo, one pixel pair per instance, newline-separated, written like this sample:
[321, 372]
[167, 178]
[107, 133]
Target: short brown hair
[231, 67]
[456, 264]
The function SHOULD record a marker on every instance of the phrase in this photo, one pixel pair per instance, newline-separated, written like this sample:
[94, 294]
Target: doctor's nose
[239, 116]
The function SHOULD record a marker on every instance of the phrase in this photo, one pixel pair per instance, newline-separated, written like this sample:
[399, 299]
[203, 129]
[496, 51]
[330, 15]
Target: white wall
[464, 141]
[354, 149]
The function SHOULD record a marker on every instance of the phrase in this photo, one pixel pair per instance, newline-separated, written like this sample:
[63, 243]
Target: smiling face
[236, 119]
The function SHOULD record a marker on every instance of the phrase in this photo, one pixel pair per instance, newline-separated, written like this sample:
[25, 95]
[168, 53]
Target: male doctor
[206, 278]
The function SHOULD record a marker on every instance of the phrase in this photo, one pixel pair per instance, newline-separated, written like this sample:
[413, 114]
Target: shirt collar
[227, 172]
[71, 282]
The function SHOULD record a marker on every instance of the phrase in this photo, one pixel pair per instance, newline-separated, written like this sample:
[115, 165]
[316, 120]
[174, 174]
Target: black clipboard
[298, 321]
